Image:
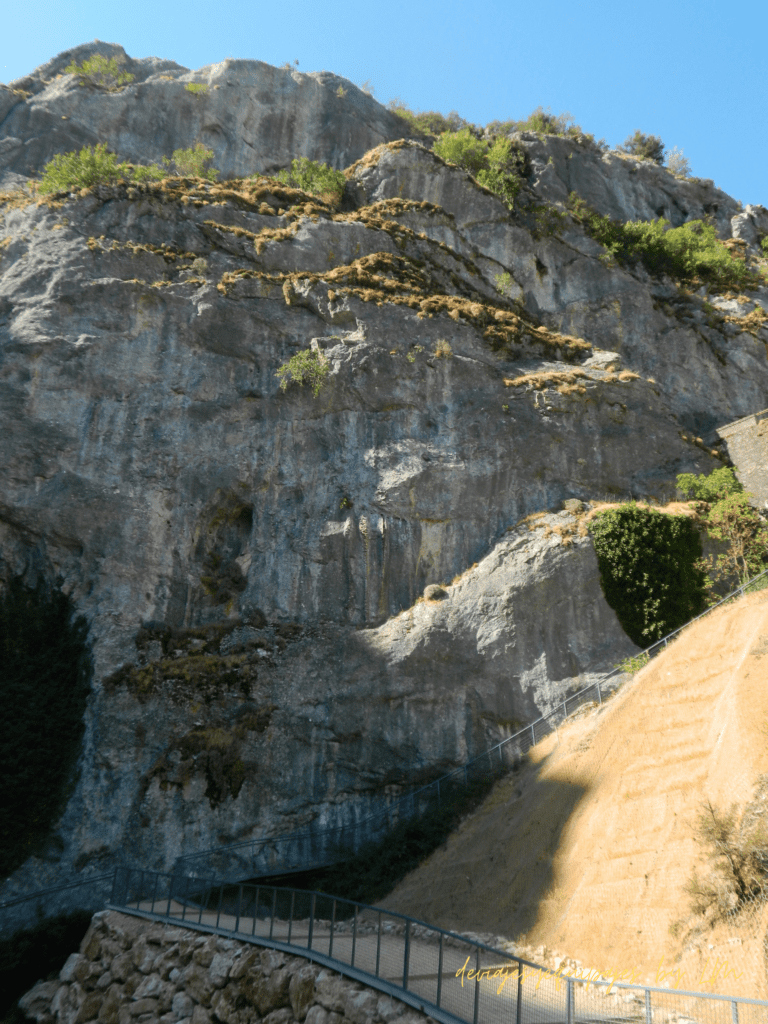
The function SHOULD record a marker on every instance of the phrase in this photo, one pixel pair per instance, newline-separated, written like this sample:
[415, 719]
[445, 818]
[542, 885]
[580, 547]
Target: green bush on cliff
[100, 71]
[45, 672]
[306, 367]
[496, 164]
[313, 177]
[650, 569]
[725, 509]
[97, 166]
[647, 147]
[691, 252]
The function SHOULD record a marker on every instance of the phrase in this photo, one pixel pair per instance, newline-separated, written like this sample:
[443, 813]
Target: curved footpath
[589, 851]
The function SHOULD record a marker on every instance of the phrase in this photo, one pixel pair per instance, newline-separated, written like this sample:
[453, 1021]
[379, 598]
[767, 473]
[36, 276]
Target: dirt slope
[587, 851]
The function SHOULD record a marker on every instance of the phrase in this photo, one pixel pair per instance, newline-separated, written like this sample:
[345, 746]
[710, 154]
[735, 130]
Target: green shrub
[719, 484]
[764, 244]
[81, 170]
[462, 148]
[306, 367]
[196, 87]
[45, 672]
[633, 665]
[649, 569]
[96, 166]
[691, 252]
[313, 177]
[728, 516]
[546, 123]
[189, 163]
[495, 165]
[647, 147]
[100, 71]
[503, 283]
[429, 122]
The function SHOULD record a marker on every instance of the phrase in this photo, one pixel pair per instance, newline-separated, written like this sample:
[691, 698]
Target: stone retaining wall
[132, 971]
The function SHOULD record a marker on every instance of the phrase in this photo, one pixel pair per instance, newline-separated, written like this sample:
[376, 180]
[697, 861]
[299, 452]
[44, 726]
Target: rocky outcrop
[131, 970]
[256, 118]
[214, 734]
[624, 187]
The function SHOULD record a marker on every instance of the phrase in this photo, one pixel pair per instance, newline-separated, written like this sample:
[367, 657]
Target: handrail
[428, 953]
[88, 880]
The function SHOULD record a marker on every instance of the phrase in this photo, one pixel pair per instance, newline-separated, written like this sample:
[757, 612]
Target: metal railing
[250, 858]
[448, 976]
[86, 894]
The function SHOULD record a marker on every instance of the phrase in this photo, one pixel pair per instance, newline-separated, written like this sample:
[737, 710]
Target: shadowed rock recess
[250, 559]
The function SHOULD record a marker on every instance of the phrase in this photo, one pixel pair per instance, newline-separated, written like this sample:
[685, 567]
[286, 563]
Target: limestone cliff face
[276, 541]
[256, 118]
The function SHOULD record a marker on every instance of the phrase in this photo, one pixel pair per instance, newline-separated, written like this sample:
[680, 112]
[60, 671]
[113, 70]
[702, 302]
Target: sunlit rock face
[255, 117]
[249, 557]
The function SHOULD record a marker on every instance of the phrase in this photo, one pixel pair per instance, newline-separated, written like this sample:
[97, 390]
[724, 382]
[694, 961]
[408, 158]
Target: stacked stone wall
[132, 971]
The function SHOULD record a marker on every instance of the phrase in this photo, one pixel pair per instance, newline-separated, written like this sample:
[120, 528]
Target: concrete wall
[747, 443]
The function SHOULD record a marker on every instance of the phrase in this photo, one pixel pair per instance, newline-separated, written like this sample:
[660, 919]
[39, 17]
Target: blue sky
[693, 72]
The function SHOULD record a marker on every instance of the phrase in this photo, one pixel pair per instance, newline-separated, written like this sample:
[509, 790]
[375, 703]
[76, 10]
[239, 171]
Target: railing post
[477, 985]
[311, 920]
[519, 1010]
[290, 919]
[533, 736]
[648, 1018]
[735, 1012]
[170, 896]
[184, 899]
[221, 898]
[378, 946]
[440, 972]
[406, 953]
[208, 891]
[599, 695]
[272, 917]
[569, 1004]
[333, 923]
[255, 909]
[239, 902]
[354, 935]
[154, 893]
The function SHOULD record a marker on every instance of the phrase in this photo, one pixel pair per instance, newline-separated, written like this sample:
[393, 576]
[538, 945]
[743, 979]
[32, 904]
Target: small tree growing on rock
[101, 72]
[647, 147]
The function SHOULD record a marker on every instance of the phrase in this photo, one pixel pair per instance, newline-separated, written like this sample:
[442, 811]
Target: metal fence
[448, 976]
[251, 858]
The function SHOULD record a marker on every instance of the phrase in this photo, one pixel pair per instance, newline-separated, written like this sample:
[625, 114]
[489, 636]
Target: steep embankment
[589, 854]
